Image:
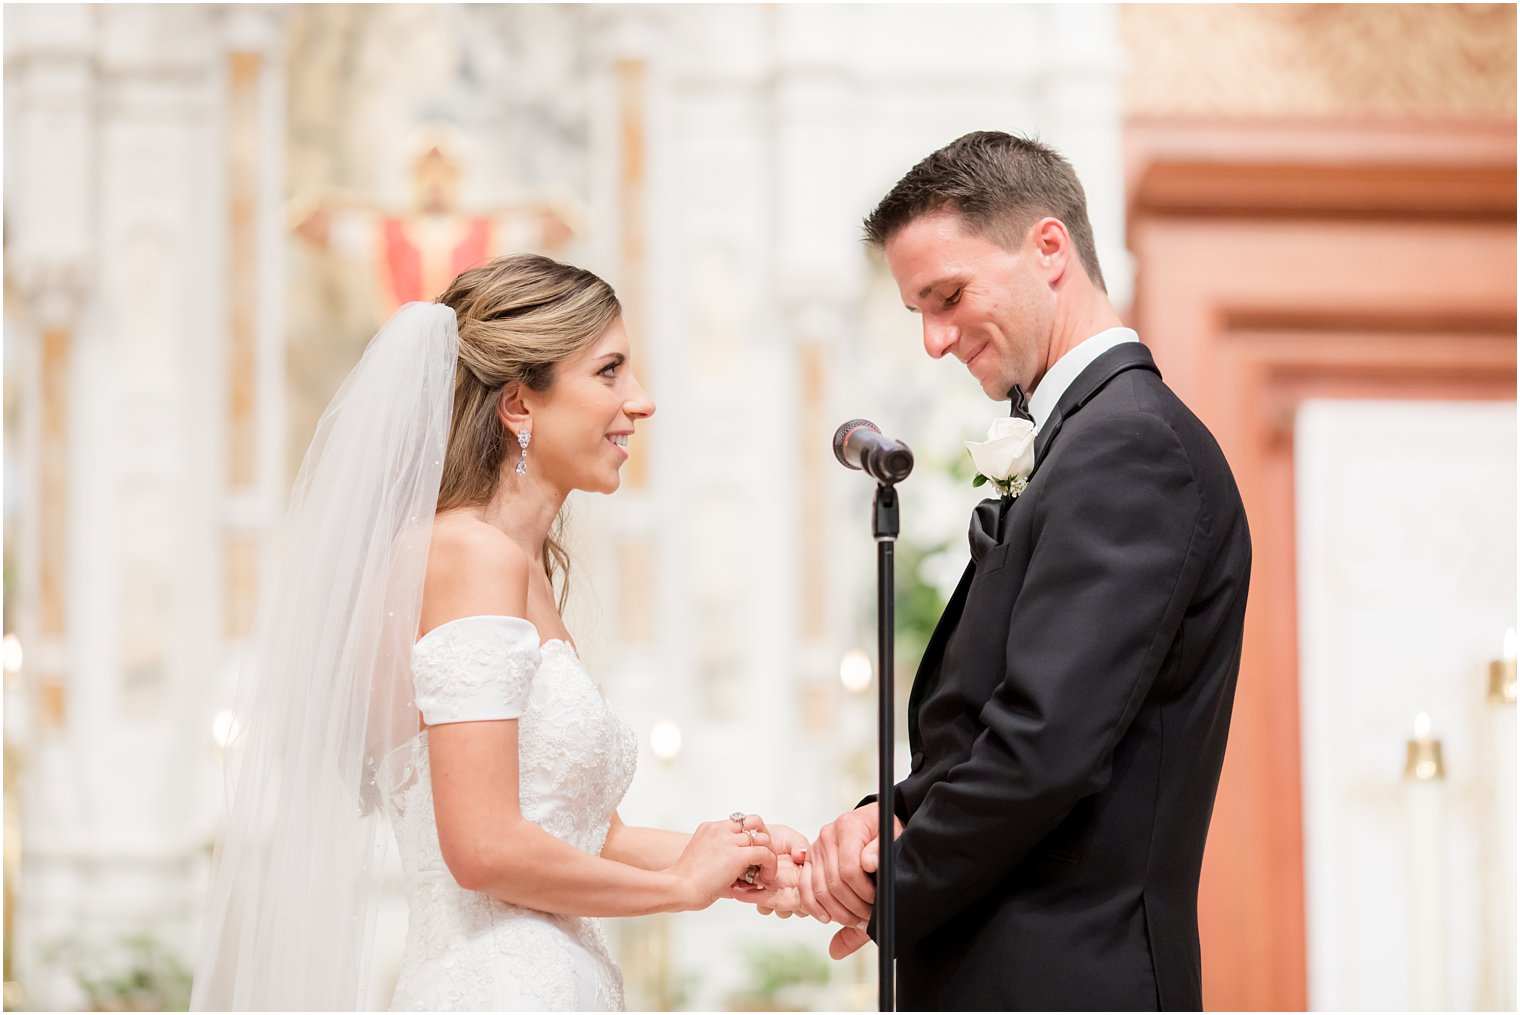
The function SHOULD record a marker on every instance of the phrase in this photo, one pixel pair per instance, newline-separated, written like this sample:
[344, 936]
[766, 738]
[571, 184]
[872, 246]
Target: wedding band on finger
[750, 872]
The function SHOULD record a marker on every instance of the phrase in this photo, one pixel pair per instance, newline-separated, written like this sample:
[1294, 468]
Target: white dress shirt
[1042, 402]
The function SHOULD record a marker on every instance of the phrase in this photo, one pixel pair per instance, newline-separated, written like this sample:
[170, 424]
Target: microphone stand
[888, 462]
[884, 525]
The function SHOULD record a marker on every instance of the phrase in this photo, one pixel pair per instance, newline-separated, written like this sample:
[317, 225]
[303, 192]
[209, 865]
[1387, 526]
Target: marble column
[120, 253]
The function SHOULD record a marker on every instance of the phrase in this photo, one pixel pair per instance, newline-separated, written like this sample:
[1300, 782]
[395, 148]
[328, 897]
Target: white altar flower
[1006, 458]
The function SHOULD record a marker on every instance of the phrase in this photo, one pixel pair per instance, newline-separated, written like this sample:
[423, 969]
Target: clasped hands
[829, 879]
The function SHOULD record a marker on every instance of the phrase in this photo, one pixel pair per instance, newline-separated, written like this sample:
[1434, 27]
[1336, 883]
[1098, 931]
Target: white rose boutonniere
[1006, 458]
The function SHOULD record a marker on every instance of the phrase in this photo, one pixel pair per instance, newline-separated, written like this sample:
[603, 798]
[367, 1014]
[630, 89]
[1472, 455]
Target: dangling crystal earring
[523, 437]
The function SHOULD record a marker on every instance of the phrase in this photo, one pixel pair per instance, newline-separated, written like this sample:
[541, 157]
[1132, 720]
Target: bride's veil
[325, 688]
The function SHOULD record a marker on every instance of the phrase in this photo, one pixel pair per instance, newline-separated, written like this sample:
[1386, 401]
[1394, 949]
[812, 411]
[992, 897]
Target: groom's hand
[851, 939]
[835, 888]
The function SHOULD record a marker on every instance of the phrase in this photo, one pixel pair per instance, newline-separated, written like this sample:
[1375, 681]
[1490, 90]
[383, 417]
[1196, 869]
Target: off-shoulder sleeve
[475, 668]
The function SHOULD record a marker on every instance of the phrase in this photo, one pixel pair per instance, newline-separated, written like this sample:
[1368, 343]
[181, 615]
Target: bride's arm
[650, 849]
[486, 843]
[489, 847]
[655, 848]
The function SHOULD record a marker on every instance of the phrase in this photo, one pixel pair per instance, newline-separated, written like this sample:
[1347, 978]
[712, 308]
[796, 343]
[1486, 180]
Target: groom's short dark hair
[999, 185]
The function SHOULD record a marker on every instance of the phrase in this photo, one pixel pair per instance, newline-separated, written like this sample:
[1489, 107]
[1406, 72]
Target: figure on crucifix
[415, 251]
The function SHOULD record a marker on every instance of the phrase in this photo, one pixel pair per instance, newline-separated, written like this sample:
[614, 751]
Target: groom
[1068, 719]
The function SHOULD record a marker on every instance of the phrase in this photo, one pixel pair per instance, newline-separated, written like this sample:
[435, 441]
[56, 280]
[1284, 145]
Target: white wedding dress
[466, 951]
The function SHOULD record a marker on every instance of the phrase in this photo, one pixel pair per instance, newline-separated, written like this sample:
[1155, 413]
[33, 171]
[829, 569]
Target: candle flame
[1422, 726]
[1509, 645]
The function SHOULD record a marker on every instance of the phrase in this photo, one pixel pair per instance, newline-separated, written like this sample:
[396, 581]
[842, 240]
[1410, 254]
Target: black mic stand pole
[885, 527]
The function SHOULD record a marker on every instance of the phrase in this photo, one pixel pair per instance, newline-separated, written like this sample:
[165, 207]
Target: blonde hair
[519, 316]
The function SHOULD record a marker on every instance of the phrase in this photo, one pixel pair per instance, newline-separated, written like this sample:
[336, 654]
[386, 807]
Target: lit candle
[1425, 772]
[1501, 739]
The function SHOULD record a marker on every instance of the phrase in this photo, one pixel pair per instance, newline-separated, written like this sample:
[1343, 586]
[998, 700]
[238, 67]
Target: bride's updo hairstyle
[519, 316]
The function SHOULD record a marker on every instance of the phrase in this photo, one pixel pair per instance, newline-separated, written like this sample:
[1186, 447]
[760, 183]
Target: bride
[411, 662]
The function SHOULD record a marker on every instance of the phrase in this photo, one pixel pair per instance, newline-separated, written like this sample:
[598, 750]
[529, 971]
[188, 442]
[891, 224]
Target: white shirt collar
[1065, 370]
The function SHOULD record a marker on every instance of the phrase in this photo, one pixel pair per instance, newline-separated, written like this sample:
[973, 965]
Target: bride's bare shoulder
[464, 535]
[473, 568]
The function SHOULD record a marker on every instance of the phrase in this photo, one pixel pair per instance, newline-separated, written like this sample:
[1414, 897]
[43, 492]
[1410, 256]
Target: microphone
[858, 444]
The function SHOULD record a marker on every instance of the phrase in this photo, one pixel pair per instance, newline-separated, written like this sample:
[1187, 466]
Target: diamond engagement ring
[754, 868]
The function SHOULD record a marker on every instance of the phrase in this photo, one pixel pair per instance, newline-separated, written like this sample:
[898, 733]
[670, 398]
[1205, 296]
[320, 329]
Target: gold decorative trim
[243, 168]
[241, 562]
[53, 486]
[244, 165]
[810, 454]
[52, 704]
[1320, 60]
[631, 78]
[635, 592]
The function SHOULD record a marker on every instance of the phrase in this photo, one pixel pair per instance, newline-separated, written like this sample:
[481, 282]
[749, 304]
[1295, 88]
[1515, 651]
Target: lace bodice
[575, 760]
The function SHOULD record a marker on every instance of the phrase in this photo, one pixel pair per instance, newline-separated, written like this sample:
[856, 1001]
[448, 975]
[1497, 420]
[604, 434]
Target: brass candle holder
[1501, 682]
[1501, 674]
[1423, 761]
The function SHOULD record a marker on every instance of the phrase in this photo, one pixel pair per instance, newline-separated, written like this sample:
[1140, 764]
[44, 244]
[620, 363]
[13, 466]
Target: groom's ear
[511, 409]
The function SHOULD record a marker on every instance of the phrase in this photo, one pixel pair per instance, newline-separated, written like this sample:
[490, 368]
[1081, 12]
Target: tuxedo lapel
[1128, 356]
[1122, 357]
[929, 662]
[1045, 436]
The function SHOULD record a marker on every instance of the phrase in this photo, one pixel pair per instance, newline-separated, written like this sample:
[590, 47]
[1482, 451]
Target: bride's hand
[717, 856]
[781, 896]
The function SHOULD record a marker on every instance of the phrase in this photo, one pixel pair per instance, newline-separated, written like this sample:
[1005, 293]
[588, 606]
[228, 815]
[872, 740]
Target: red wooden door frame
[1279, 262]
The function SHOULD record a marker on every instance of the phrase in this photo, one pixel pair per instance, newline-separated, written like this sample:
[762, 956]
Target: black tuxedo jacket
[1068, 719]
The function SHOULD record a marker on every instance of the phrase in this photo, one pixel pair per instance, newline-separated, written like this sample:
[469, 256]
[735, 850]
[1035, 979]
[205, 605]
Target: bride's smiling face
[582, 425]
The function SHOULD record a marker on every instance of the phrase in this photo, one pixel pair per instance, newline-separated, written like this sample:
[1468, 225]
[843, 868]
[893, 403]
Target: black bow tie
[1019, 407]
[986, 527]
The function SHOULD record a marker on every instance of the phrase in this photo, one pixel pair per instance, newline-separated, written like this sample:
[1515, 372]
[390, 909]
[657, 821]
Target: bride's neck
[524, 508]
